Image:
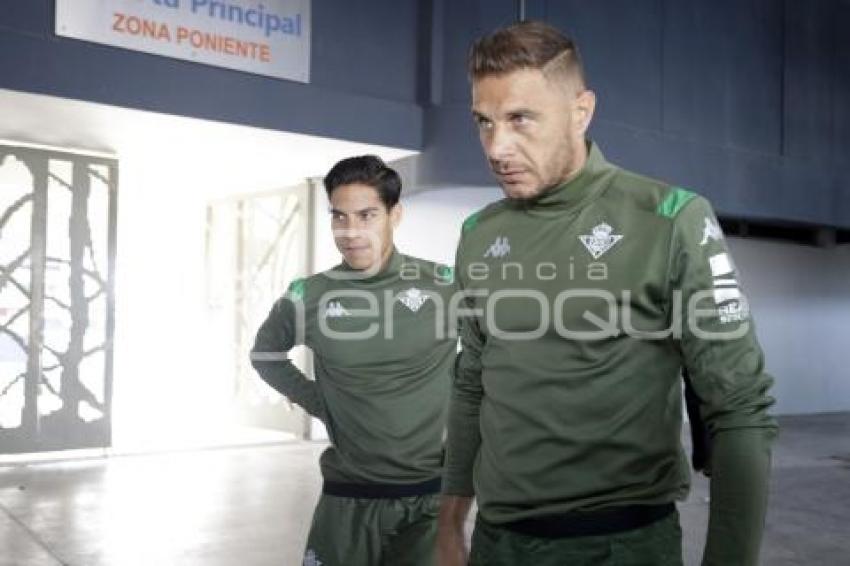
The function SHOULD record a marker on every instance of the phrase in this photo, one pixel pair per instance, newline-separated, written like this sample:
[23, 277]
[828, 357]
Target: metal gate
[57, 269]
[256, 245]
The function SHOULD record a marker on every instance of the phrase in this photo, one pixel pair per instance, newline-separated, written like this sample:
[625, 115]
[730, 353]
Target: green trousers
[657, 544]
[373, 532]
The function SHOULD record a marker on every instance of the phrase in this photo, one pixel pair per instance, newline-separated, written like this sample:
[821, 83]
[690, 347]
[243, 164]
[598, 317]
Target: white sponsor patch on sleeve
[720, 265]
[724, 294]
[736, 311]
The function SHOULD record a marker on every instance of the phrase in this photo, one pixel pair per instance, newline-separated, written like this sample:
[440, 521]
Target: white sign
[266, 37]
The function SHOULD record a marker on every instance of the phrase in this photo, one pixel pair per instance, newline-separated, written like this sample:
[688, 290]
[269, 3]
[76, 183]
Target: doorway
[256, 245]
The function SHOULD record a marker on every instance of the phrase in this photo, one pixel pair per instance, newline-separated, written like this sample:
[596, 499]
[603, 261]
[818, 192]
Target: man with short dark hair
[566, 409]
[382, 353]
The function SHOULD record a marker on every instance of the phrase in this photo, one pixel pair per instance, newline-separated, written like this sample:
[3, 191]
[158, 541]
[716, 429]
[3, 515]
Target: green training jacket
[584, 305]
[382, 358]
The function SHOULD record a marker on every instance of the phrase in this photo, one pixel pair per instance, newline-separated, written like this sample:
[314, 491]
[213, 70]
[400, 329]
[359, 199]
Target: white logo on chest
[335, 310]
[602, 240]
[413, 299]
[500, 248]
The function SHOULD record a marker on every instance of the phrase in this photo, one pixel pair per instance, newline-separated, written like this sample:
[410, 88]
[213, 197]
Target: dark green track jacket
[584, 306]
[382, 360]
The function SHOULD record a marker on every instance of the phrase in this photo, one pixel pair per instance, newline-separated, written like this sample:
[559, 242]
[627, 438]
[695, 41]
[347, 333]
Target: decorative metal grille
[57, 249]
[256, 245]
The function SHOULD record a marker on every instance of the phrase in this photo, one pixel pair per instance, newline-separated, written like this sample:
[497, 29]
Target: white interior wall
[800, 297]
[166, 388]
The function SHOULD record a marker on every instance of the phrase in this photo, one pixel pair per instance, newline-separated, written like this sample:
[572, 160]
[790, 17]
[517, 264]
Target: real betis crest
[413, 299]
[602, 240]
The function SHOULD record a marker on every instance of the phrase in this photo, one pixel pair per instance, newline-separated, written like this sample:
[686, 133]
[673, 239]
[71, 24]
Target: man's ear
[583, 108]
[396, 214]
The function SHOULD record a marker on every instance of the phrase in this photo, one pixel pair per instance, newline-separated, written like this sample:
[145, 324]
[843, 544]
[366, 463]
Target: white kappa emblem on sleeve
[711, 231]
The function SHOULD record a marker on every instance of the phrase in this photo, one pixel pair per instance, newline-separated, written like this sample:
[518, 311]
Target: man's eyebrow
[519, 111]
[522, 111]
[361, 211]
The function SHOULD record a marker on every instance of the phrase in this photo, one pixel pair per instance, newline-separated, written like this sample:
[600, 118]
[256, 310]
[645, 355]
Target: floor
[251, 506]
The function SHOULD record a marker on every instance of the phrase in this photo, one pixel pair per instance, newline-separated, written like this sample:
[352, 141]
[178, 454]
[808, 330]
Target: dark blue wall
[360, 89]
[745, 101]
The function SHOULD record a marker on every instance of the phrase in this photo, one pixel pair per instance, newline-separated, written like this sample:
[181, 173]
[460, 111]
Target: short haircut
[367, 170]
[526, 45]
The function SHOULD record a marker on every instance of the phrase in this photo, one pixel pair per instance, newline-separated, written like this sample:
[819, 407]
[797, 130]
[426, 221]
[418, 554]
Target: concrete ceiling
[213, 157]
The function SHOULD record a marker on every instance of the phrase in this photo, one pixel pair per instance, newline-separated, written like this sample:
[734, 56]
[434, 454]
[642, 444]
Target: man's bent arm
[275, 338]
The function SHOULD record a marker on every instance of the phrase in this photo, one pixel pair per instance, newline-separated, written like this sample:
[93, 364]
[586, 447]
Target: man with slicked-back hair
[382, 353]
[589, 289]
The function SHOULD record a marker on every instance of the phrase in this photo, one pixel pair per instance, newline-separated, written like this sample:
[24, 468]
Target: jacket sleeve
[464, 437]
[275, 338]
[726, 368]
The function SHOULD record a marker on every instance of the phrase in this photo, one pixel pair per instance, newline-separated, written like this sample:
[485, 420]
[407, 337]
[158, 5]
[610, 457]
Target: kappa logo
[335, 310]
[711, 231]
[310, 559]
[413, 299]
[602, 240]
[500, 248]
